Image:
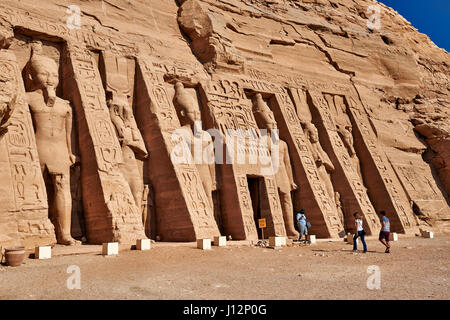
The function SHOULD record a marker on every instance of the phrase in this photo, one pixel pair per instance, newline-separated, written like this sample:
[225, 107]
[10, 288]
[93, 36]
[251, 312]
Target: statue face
[313, 133]
[45, 74]
[192, 116]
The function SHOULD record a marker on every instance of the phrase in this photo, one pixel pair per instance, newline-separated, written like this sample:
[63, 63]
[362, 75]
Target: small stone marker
[312, 238]
[143, 244]
[277, 241]
[349, 238]
[427, 234]
[44, 252]
[394, 236]
[220, 241]
[110, 248]
[204, 244]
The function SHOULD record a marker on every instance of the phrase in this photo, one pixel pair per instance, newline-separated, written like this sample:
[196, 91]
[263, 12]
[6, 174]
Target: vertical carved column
[385, 190]
[346, 177]
[110, 211]
[24, 214]
[184, 212]
[312, 195]
[271, 203]
[238, 210]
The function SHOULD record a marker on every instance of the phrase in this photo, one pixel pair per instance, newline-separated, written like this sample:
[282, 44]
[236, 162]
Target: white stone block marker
[394, 236]
[277, 241]
[428, 234]
[349, 238]
[204, 244]
[143, 244]
[220, 241]
[312, 238]
[110, 249]
[44, 252]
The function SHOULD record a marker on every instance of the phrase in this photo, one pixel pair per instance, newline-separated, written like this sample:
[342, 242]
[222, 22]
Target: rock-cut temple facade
[99, 101]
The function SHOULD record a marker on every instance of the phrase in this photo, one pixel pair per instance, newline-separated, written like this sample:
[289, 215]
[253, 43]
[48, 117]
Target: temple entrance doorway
[254, 187]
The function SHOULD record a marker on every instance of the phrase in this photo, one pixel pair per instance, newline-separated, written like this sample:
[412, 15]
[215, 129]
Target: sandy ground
[417, 268]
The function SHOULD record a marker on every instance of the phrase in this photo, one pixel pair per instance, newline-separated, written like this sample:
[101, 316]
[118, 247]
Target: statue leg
[132, 175]
[325, 177]
[137, 189]
[288, 214]
[63, 208]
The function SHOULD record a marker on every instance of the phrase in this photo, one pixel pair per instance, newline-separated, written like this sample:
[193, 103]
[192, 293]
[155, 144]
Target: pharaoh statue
[284, 175]
[323, 163]
[190, 119]
[345, 131]
[52, 119]
[121, 113]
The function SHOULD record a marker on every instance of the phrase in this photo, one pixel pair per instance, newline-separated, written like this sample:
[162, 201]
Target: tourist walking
[385, 231]
[360, 233]
[301, 224]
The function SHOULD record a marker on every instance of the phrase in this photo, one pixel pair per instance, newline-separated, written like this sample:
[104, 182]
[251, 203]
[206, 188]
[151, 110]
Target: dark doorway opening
[218, 212]
[254, 187]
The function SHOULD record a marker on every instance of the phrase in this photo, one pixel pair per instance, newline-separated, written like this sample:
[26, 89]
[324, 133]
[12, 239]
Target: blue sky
[431, 17]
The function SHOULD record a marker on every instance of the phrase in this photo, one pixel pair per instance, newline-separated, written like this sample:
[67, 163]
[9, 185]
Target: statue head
[312, 132]
[43, 73]
[263, 115]
[189, 112]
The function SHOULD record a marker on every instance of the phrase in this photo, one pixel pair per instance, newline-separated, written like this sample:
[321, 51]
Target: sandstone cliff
[379, 97]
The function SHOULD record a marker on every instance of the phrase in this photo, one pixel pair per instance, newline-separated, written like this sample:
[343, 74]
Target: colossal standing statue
[345, 131]
[324, 165]
[121, 113]
[190, 119]
[283, 175]
[52, 119]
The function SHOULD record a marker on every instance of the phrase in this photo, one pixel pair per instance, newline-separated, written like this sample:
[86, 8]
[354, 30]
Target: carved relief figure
[52, 118]
[345, 132]
[337, 200]
[284, 176]
[8, 87]
[190, 119]
[121, 113]
[324, 165]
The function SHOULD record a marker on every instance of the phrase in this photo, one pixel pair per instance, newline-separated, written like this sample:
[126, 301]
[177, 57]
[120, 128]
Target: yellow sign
[262, 223]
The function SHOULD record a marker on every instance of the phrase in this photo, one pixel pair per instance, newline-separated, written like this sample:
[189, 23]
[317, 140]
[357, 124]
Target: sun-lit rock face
[359, 97]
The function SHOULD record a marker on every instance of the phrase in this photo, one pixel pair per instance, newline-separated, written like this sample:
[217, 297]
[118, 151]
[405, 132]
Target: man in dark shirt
[385, 231]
